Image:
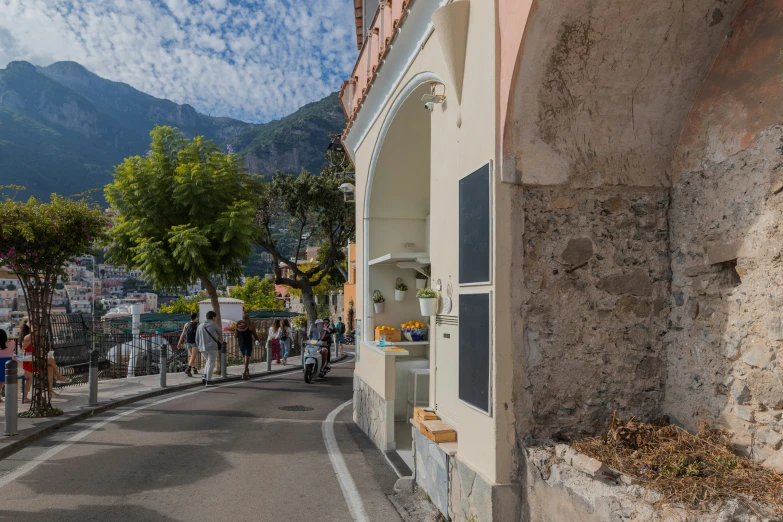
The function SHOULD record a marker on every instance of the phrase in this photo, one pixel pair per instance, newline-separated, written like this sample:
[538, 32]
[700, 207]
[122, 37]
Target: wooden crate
[422, 414]
[392, 336]
[437, 431]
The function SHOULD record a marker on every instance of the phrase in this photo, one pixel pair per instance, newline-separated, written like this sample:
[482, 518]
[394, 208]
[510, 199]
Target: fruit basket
[414, 331]
[393, 335]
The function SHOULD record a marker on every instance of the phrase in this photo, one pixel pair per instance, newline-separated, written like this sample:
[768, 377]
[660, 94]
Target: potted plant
[428, 301]
[421, 280]
[400, 290]
[378, 302]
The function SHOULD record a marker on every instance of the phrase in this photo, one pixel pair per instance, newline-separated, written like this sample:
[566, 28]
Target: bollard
[164, 364]
[11, 397]
[92, 399]
[223, 365]
[268, 348]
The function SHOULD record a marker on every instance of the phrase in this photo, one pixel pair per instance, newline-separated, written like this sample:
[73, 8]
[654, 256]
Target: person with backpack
[208, 339]
[339, 333]
[245, 336]
[189, 336]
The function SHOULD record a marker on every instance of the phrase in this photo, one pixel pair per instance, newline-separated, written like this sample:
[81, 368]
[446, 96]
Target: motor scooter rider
[318, 333]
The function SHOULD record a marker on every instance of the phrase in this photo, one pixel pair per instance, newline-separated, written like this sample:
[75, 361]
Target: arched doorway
[396, 238]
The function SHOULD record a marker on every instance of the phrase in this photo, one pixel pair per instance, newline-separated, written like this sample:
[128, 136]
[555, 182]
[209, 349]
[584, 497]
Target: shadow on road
[85, 514]
[135, 469]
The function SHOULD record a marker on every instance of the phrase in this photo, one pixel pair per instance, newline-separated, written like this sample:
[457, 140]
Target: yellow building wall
[485, 441]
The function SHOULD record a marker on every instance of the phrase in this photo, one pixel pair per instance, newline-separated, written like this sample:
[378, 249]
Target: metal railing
[123, 354]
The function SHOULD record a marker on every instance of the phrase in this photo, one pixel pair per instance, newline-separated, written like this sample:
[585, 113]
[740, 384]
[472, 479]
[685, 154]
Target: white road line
[351, 494]
[48, 454]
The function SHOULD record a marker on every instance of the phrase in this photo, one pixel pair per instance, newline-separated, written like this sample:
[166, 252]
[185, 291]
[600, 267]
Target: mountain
[64, 128]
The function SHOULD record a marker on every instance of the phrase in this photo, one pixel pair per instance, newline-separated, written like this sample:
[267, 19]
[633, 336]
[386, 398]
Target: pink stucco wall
[512, 16]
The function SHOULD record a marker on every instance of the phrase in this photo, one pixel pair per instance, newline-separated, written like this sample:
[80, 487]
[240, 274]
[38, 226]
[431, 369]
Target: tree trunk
[39, 300]
[213, 298]
[309, 303]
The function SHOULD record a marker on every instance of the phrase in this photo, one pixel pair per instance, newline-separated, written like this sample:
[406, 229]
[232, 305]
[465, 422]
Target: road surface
[228, 453]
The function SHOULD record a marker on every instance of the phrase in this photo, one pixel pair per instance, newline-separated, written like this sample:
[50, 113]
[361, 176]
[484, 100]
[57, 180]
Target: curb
[74, 417]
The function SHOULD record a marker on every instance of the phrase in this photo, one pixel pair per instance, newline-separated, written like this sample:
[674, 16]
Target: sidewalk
[113, 393]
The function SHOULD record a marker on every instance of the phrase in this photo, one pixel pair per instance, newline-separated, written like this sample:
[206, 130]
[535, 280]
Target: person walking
[208, 338]
[245, 335]
[285, 339]
[339, 333]
[189, 336]
[273, 340]
[6, 353]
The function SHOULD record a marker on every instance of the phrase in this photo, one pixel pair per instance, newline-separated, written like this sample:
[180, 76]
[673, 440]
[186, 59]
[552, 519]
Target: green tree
[38, 241]
[313, 209]
[185, 212]
[258, 293]
[182, 305]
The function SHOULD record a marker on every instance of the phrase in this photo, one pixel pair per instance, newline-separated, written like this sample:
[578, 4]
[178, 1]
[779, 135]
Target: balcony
[379, 38]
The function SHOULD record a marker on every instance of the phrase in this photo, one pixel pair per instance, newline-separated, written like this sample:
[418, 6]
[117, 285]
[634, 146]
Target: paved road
[225, 454]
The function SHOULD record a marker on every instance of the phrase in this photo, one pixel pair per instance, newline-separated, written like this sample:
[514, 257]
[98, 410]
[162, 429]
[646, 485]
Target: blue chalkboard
[474, 227]
[474, 354]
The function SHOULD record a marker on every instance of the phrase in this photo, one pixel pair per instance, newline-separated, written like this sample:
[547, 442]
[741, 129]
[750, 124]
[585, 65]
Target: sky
[253, 60]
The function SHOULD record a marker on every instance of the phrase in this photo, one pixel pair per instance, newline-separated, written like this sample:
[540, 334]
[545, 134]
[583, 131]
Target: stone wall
[369, 412]
[562, 486]
[727, 205]
[593, 307]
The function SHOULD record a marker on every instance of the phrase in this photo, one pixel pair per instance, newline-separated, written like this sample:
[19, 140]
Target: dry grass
[697, 471]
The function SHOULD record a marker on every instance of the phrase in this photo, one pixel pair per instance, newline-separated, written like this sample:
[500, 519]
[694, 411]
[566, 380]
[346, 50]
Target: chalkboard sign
[474, 354]
[474, 232]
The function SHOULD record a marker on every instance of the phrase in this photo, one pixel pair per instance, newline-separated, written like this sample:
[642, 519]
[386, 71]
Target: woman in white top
[273, 341]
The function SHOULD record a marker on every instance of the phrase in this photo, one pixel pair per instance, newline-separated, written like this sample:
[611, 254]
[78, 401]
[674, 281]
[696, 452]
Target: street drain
[298, 407]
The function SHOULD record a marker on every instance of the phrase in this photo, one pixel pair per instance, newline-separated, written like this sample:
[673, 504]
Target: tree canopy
[258, 293]
[184, 212]
[313, 210]
[37, 242]
[182, 305]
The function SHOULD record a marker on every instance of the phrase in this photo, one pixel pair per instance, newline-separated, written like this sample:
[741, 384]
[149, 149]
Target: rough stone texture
[431, 465]
[369, 411]
[556, 491]
[723, 363]
[726, 209]
[592, 310]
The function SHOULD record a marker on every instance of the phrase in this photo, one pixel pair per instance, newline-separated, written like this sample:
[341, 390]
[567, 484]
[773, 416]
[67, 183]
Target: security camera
[347, 188]
[430, 106]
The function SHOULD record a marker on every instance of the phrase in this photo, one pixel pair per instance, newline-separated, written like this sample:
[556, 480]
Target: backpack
[190, 332]
[340, 327]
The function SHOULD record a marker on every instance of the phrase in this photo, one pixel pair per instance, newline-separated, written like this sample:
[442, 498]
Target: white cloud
[252, 59]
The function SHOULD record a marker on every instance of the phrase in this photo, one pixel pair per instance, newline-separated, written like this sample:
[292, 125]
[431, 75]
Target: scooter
[313, 363]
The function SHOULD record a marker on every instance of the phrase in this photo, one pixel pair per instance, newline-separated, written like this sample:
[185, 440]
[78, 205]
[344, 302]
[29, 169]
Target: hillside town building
[597, 189]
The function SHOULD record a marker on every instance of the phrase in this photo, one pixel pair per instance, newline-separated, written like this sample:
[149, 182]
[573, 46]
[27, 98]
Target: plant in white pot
[400, 290]
[378, 302]
[421, 280]
[428, 301]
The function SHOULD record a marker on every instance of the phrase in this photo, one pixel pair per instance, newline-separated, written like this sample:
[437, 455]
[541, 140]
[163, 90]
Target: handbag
[221, 346]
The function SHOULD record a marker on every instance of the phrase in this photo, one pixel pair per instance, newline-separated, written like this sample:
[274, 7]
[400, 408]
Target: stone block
[563, 203]
[775, 462]
[720, 252]
[580, 461]
[636, 282]
[766, 389]
[758, 354]
[740, 392]
[578, 251]
[745, 413]
[616, 204]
